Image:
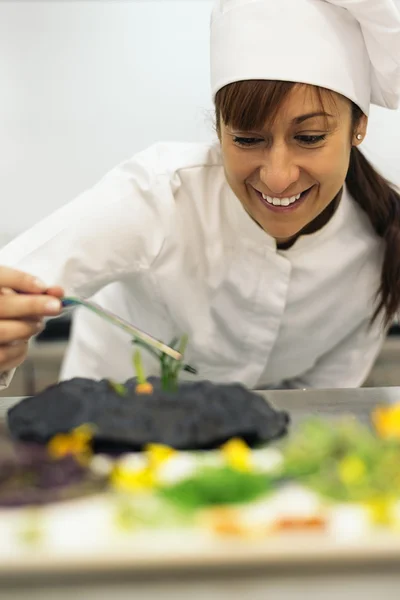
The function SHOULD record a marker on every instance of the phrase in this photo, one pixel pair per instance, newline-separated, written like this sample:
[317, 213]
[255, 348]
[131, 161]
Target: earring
[359, 136]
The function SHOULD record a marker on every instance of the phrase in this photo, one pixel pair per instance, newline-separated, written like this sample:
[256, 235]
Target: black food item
[29, 476]
[200, 415]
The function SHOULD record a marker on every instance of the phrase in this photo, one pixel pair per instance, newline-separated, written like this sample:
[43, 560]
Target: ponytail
[381, 202]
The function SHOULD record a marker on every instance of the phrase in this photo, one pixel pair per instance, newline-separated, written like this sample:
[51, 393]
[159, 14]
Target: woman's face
[286, 174]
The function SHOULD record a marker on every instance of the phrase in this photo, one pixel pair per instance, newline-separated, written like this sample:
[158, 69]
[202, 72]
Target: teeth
[281, 201]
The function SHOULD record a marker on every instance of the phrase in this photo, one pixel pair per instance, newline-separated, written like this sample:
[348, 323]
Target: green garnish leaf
[217, 486]
[118, 388]
[169, 367]
[138, 364]
[183, 344]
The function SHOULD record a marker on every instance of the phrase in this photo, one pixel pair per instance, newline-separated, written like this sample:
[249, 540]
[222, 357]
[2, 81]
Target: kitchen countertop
[290, 567]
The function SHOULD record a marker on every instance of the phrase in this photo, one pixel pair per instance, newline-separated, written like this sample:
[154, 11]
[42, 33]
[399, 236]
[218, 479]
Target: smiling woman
[295, 166]
[276, 248]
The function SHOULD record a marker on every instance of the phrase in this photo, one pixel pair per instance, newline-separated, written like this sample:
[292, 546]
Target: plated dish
[145, 457]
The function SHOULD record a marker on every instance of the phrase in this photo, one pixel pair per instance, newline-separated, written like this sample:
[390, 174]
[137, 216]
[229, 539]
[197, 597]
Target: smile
[284, 204]
[281, 201]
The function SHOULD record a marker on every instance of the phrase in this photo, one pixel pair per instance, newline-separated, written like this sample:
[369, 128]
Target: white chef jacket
[163, 242]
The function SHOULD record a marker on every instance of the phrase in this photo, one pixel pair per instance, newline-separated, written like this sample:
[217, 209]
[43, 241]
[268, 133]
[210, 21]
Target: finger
[29, 305]
[12, 356]
[20, 281]
[19, 330]
[5, 291]
[56, 291]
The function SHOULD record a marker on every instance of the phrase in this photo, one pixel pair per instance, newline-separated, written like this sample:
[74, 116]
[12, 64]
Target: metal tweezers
[137, 334]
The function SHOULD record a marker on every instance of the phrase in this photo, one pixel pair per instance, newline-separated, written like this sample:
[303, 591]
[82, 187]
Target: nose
[278, 170]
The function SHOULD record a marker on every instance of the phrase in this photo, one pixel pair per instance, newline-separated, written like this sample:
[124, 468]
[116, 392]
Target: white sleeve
[115, 229]
[348, 364]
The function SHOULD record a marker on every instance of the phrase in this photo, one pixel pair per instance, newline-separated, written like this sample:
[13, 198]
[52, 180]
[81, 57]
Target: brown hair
[248, 105]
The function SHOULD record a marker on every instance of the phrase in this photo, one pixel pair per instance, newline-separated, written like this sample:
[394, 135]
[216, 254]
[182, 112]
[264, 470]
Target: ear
[360, 131]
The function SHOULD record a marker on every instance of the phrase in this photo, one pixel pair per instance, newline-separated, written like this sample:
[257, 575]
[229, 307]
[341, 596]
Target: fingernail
[40, 284]
[53, 305]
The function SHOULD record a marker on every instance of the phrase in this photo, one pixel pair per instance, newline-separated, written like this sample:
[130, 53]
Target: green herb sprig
[170, 368]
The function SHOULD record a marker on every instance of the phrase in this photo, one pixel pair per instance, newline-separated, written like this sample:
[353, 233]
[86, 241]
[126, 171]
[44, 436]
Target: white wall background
[85, 84]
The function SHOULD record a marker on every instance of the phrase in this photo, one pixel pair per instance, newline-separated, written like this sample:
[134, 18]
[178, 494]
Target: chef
[276, 249]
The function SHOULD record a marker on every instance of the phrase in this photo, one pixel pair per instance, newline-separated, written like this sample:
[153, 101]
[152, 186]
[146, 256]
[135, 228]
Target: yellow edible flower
[386, 420]
[158, 454]
[138, 472]
[381, 511]
[237, 454]
[76, 443]
[126, 480]
[351, 469]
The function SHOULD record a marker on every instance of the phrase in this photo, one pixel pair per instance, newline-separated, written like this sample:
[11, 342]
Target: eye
[311, 140]
[246, 142]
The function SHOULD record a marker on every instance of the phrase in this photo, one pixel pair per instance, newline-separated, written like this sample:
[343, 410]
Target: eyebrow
[302, 118]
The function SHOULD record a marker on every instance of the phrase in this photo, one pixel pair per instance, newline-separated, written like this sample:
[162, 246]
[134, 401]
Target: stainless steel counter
[332, 403]
[296, 567]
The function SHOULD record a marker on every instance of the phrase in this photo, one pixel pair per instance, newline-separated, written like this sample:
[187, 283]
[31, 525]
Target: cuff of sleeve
[5, 379]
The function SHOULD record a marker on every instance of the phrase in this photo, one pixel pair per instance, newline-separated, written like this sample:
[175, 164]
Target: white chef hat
[349, 46]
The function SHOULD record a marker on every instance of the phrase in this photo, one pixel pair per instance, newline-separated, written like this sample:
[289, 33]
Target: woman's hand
[24, 302]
